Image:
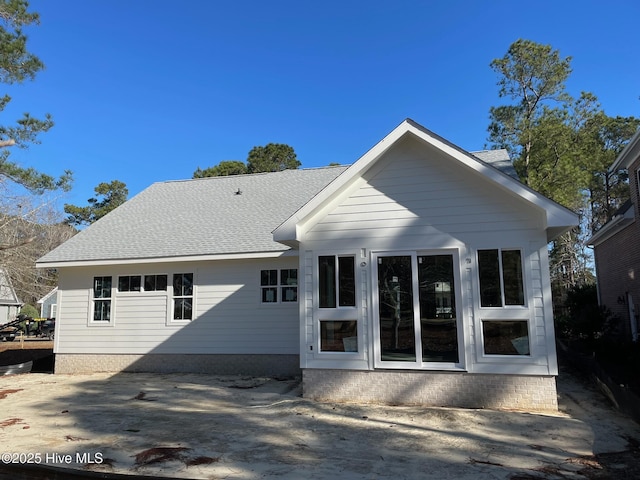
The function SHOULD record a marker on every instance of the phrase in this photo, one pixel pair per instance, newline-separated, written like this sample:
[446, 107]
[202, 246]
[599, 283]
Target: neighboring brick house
[617, 249]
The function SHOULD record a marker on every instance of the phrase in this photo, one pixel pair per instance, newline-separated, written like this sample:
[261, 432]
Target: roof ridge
[245, 175]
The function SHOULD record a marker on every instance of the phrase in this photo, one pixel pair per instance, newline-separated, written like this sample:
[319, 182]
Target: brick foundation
[531, 393]
[255, 365]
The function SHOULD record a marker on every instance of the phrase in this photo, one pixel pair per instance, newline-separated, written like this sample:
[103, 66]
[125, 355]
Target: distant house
[9, 303]
[419, 274]
[617, 249]
[49, 304]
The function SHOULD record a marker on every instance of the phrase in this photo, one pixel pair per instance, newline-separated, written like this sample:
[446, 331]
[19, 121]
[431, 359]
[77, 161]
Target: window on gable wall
[501, 285]
[337, 281]
[501, 281]
[336, 289]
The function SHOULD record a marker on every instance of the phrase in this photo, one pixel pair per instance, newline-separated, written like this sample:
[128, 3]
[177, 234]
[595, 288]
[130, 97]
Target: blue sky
[148, 90]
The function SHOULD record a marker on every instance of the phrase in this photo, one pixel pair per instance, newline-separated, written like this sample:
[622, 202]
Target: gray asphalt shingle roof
[198, 217]
[209, 216]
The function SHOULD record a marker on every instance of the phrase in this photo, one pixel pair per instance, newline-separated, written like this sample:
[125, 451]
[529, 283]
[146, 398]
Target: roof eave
[630, 152]
[612, 227]
[559, 219]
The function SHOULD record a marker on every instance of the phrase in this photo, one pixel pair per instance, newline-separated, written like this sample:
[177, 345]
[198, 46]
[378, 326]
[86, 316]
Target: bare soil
[38, 350]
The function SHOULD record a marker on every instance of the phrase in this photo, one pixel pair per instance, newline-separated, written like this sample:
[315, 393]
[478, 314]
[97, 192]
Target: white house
[419, 274]
[9, 302]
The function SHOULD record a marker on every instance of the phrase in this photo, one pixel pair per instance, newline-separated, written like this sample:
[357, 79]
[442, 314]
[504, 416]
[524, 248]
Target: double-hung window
[501, 283]
[101, 299]
[279, 286]
[183, 296]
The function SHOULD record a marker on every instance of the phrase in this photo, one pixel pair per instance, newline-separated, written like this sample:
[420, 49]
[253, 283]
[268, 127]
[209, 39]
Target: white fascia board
[289, 231]
[558, 217]
[630, 152]
[193, 258]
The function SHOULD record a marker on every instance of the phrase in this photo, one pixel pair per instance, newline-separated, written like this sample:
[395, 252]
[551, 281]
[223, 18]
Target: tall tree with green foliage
[273, 157]
[113, 195]
[18, 65]
[561, 146]
[223, 169]
[533, 76]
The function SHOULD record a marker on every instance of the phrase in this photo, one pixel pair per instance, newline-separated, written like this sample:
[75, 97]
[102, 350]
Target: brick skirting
[255, 365]
[450, 389]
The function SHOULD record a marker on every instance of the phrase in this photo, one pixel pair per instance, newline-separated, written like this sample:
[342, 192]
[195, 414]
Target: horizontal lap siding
[415, 196]
[229, 317]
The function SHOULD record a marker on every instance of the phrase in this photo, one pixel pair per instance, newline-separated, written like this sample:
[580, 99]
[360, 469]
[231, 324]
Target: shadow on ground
[202, 426]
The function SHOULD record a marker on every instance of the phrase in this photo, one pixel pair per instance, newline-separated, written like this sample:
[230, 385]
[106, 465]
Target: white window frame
[279, 287]
[419, 364]
[337, 313]
[92, 303]
[172, 297]
[504, 306]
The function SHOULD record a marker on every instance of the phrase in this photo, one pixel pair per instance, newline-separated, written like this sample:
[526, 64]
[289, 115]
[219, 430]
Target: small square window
[286, 283]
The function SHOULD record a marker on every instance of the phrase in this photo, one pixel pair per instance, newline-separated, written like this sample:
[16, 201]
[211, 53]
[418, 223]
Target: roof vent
[239, 192]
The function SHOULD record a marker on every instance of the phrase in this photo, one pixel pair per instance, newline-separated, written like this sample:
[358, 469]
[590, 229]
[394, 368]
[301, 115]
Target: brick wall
[256, 365]
[531, 393]
[618, 264]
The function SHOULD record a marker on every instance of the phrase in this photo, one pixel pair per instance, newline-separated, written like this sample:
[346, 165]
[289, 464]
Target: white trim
[419, 364]
[558, 218]
[193, 258]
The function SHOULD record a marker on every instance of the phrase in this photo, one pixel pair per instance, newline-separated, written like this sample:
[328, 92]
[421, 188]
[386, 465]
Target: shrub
[586, 320]
[29, 311]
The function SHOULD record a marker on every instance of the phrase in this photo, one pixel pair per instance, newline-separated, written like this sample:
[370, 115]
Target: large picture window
[183, 296]
[500, 276]
[102, 299]
[336, 281]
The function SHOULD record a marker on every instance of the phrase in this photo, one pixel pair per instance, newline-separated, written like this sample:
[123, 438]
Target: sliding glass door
[415, 320]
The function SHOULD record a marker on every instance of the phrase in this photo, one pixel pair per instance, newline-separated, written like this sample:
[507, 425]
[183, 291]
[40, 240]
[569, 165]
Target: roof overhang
[630, 152]
[558, 218]
[615, 225]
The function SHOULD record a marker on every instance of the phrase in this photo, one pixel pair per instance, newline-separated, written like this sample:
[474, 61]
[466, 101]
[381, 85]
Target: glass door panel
[396, 312]
[438, 320]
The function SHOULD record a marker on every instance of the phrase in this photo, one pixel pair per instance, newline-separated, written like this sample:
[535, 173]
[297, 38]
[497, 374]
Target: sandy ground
[206, 427]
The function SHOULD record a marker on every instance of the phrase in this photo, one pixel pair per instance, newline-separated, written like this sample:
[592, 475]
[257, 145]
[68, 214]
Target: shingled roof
[208, 216]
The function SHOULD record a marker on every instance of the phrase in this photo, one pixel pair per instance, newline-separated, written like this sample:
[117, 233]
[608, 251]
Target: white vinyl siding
[414, 199]
[228, 317]
[418, 199]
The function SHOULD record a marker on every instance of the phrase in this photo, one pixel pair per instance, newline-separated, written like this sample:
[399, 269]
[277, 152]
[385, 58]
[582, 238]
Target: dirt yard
[203, 427]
